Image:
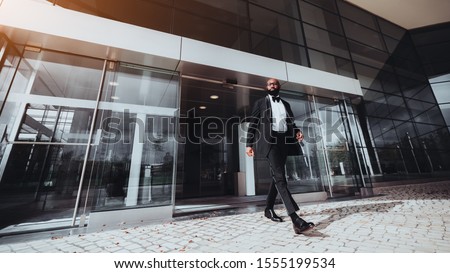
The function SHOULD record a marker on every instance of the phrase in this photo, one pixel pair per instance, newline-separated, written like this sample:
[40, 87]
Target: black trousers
[277, 160]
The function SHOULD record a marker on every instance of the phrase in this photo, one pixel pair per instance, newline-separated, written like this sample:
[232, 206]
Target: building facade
[119, 111]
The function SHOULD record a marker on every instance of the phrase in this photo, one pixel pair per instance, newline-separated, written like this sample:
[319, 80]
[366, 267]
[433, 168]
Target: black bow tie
[276, 99]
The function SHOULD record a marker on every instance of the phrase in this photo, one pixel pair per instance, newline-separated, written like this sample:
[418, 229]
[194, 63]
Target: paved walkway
[405, 219]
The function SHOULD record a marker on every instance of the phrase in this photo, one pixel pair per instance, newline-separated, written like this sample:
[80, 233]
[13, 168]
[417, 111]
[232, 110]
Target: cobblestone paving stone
[405, 219]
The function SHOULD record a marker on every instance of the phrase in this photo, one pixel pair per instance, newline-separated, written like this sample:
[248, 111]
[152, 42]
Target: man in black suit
[272, 125]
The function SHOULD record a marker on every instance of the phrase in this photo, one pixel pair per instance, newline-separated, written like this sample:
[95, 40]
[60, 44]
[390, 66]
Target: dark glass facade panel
[376, 104]
[358, 15]
[380, 126]
[275, 25]
[395, 101]
[39, 182]
[391, 161]
[287, 7]
[326, 4]
[438, 140]
[391, 29]
[405, 130]
[330, 63]
[432, 35]
[325, 41]
[435, 53]
[424, 94]
[391, 44]
[423, 129]
[277, 49]
[154, 14]
[368, 77]
[417, 107]
[411, 86]
[432, 45]
[207, 23]
[397, 107]
[363, 34]
[399, 113]
[368, 55]
[321, 18]
[383, 132]
[432, 115]
[389, 82]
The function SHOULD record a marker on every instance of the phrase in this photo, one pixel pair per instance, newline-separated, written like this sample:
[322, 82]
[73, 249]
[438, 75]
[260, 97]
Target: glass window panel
[395, 101]
[383, 132]
[325, 41]
[391, 160]
[423, 129]
[40, 182]
[368, 77]
[64, 76]
[411, 87]
[137, 85]
[320, 18]
[408, 68]
[389, 82]
[207, 29]
[358, 15]
[426, 94]
[277, 49]
[390, 138]
[49, 123]
[398, 108]
[417, 107]
[154, 14]
[391, 44]
[275, 25]
[405, 129]
[391, 29]
[127, 174]
[438, 147]
[432, 116]
[288, 7]
[442, 91]
[432, 35]
[370, 95]
[368, 55]
[326, 4]
[377, 108]
[362, 34]
[331, 63]
[400, 113]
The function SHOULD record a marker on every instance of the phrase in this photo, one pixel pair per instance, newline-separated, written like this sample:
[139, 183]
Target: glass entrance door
[82, 135]
[343, 155]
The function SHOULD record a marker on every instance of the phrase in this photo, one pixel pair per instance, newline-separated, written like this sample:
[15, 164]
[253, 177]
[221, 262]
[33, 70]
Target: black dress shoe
[301, 226]
[270, 213]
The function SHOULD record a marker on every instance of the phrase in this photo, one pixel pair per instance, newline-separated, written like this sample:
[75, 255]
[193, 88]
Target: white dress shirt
[278, 116]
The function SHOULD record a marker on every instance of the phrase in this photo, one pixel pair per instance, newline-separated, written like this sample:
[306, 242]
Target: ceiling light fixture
[214, 97]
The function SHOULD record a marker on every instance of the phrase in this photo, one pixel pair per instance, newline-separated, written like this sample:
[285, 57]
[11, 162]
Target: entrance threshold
[184, 207]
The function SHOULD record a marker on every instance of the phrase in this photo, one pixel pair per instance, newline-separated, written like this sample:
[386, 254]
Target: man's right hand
[249, 151]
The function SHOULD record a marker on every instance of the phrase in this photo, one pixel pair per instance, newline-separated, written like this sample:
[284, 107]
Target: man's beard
[274, 92]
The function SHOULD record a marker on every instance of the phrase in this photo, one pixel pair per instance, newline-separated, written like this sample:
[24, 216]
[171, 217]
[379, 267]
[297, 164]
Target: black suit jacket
[260, 128]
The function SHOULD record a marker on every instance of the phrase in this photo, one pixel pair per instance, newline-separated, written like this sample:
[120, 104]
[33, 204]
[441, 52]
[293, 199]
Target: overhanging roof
[409, 14]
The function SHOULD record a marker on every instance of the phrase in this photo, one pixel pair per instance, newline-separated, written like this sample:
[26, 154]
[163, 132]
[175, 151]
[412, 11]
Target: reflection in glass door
[47, 114]
[70, 147]
[342, 150]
